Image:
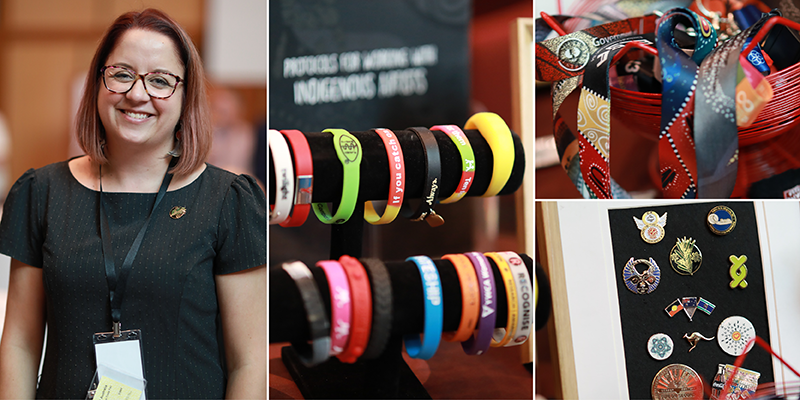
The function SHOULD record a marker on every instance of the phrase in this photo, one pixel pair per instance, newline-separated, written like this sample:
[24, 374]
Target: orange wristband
[360, 312]
[470, 298]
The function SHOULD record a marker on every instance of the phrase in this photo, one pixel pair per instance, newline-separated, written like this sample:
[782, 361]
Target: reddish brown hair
[194, 123]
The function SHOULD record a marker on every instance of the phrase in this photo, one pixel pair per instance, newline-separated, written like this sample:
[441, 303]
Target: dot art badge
[651, 226]
[734, 333]
[660, 346]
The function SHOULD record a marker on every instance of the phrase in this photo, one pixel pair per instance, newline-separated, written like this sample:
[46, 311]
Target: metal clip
[116, 328]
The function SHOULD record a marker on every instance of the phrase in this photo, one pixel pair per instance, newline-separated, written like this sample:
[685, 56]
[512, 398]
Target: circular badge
[734, 333]
[660, 346]
[651, 226]
[721, 220]
[685, 257]
[641, 283]
[574, 52]
[677, 381]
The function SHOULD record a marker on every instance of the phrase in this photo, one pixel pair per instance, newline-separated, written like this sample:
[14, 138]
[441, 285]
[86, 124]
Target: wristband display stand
[387, 376]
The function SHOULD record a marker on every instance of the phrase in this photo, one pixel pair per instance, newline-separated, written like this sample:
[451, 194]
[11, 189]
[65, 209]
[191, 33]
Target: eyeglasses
[158, 85]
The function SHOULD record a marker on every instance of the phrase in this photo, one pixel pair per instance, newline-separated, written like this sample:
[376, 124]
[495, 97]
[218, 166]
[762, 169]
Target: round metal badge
[734, 333]
[721, 220]
[641, 283]
[660, 346]
[685, 257]
[651, 226]
[677, 381]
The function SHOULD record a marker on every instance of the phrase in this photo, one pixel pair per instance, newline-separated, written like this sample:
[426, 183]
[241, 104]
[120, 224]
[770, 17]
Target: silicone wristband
[397, 180]
[348, 149]
[503, 335]
[434, 312]
[340, 304]
[467, 161]
[500, 140]
[361, 309]
[470, 298]
[381, 307]
[482, 337]
[284, 177]
[304, 178]
[317, 352]
[433, 175]
[522, 282]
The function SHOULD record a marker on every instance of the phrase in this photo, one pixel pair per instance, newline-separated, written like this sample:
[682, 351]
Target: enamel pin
[705, 306]
[734, 333]
[677, 381]
[652, 226]
[177, 212]
[689, 306]
[685, 257]
[721, 220]
[660, 346]
[641, 283]
[694, 338]
[738, 271]
[674, 307]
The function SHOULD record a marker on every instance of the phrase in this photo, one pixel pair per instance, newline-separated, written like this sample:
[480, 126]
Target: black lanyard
[116, 287]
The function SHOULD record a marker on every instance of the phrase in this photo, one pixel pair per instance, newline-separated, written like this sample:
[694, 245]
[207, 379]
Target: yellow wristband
[500, 140]
[504, 335]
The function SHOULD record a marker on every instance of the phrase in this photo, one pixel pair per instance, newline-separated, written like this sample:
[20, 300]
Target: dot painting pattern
[733, 335]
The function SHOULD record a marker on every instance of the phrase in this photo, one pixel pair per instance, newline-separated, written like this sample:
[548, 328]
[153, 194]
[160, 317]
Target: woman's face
[134, 118]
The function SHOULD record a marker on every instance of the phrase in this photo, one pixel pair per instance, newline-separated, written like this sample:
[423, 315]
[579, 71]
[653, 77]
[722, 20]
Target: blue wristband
[434, 311]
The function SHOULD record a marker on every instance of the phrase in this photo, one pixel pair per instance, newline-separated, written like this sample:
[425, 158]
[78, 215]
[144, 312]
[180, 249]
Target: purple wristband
[482, 337]
[340, 304]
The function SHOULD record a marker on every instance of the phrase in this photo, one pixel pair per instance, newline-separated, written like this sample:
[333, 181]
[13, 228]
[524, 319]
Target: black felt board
[643, 315]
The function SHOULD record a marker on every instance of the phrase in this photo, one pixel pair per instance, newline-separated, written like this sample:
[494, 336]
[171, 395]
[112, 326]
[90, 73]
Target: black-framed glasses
[158, 85]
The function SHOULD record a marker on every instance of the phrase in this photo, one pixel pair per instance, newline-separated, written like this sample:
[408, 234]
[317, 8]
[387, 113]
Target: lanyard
[116, 286]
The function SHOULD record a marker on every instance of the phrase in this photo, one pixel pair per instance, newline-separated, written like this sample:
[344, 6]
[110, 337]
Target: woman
[197, 283]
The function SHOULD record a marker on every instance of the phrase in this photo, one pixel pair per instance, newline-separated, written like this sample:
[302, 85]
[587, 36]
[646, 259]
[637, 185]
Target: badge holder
[120, 366]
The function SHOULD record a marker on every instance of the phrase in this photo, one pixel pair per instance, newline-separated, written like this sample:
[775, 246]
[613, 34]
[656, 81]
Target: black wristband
[318, 350]
[433, 176]
[381, 307]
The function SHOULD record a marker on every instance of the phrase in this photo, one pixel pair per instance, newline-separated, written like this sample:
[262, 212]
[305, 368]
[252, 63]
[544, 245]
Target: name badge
[120, 367]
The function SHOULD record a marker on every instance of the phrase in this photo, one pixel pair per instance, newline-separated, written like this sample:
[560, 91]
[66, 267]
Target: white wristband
[284, 177]
[524, 298]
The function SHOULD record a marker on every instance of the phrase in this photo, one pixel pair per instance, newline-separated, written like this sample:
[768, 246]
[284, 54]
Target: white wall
[235, 51]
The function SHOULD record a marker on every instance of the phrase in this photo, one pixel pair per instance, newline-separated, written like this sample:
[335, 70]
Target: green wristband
[348, 149]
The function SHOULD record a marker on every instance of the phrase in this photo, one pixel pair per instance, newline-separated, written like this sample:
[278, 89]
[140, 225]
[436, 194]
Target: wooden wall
[45, 48]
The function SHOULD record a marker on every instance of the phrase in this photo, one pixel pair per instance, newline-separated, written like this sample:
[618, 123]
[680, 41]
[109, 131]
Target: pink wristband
[340, 304]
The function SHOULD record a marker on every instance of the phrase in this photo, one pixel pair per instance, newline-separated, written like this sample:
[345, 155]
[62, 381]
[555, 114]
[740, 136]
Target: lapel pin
[177, 212]
[660, 346]
[734, 333]
[689, 306]
[641, 283]
[721, 220]
[685, 257]
[694, 338]
[651, 226]
[738, 271]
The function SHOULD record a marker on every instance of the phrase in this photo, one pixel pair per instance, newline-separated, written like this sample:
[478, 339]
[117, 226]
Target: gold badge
[685, 257]
[177, 212]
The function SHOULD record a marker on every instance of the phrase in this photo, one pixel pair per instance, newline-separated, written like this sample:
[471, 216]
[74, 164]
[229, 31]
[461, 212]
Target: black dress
[50, 221]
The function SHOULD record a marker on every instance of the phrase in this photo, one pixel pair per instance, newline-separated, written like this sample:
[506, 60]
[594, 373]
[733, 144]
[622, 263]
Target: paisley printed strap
[679, 79]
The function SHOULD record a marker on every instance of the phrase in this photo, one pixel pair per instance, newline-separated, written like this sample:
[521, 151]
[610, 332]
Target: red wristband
[361, 311]
[397, 180]
[304, 177]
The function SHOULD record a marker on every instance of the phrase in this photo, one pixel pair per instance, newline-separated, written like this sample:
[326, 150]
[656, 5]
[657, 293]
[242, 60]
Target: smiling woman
[139, 242]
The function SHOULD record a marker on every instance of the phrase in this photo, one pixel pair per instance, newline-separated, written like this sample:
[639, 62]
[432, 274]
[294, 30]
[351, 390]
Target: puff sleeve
[242, 234]
[21, 228]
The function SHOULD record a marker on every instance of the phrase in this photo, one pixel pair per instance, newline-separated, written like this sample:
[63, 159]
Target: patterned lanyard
[716, 135]
[594, 118]
[562, 60]
[679, 77]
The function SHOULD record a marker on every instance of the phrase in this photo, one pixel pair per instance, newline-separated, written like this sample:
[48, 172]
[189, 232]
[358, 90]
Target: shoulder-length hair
[194, 124]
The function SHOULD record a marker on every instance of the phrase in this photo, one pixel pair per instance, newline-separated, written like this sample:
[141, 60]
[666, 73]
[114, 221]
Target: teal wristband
[348, 149]
[434, 311]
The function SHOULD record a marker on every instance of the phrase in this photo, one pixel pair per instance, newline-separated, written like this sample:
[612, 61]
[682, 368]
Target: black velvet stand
[387, 376]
